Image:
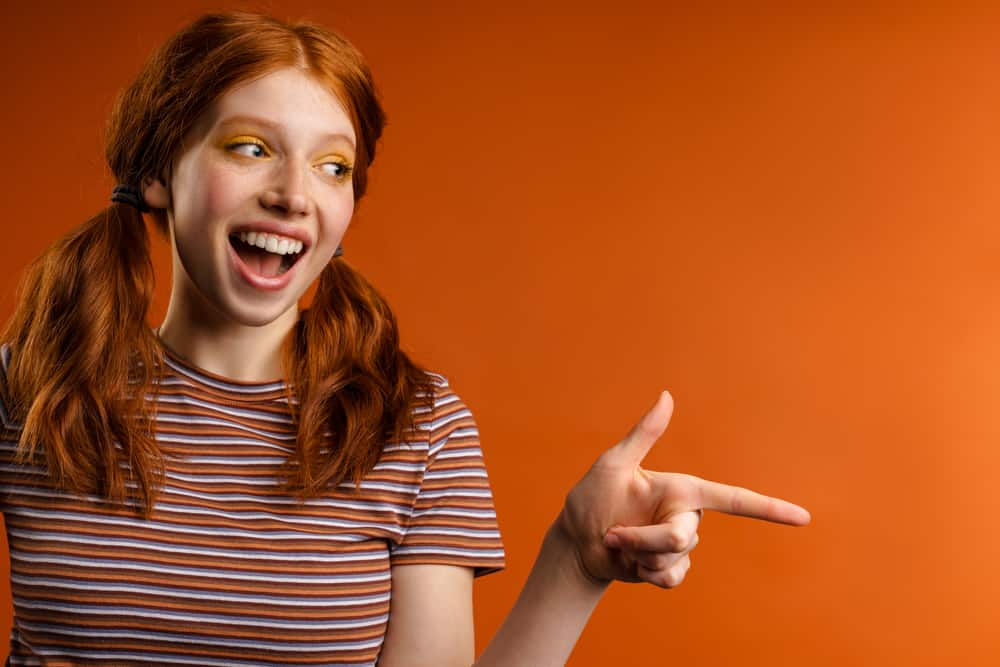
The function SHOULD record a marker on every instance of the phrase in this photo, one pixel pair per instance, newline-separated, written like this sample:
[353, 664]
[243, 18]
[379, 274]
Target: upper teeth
[272, 242]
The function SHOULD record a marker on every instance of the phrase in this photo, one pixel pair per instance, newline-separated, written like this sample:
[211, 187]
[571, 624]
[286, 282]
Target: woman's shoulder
[436, 395]
[436, 380]
[442, 398]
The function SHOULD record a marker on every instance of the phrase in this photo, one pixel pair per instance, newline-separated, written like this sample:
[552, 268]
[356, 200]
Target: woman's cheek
[223, 191]
[346, 210]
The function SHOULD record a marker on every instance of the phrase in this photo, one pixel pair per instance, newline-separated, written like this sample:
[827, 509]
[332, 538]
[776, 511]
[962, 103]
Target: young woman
[251, 484]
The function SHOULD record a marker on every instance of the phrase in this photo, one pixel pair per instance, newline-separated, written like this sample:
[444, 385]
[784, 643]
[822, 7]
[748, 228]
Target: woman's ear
[156, 193]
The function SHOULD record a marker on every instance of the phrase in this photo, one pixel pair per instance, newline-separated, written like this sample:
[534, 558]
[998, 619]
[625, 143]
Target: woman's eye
[338, 170]
[247, 147]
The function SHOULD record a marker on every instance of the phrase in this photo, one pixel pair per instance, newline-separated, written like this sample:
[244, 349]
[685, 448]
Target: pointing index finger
[744, 502]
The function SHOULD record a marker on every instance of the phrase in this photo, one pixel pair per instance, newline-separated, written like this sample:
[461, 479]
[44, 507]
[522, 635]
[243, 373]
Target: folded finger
[674, 535]
[669, 577]
[660, 560]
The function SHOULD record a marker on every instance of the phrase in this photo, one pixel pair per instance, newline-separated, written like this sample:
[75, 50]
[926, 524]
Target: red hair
[83, 356]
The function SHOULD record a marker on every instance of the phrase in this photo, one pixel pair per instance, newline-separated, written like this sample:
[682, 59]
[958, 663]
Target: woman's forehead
[285, 100]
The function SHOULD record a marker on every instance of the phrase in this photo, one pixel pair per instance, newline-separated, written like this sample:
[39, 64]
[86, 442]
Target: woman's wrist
[559, 540]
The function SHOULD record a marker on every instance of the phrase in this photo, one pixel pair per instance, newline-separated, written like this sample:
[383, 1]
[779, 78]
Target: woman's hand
[619, 522]
[632, 524]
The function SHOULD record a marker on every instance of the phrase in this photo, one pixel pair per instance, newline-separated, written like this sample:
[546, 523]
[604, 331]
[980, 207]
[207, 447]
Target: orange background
[785, 216]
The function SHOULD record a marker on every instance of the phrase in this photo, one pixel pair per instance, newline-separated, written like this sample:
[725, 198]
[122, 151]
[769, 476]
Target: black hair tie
[126, 194]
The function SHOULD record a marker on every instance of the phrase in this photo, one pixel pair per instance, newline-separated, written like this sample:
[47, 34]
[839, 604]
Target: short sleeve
[453, 521]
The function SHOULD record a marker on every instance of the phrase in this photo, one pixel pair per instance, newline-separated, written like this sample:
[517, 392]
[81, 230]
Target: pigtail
[83, 359]
[356, 389]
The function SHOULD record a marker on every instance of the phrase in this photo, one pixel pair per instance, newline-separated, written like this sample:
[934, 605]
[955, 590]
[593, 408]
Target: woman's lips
[254, 279]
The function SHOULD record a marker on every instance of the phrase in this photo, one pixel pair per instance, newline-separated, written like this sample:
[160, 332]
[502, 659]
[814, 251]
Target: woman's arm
[430, 618]
[619, 522]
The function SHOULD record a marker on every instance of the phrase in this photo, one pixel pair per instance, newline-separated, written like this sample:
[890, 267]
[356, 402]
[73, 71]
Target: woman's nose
[288, 192]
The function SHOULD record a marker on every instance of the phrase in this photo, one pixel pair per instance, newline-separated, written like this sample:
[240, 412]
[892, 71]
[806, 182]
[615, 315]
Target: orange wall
[786, 217]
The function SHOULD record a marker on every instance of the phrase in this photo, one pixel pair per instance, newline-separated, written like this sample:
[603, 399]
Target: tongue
[259, 261]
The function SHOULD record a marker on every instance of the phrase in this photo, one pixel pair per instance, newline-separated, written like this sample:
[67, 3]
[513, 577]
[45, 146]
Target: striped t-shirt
[229, 570]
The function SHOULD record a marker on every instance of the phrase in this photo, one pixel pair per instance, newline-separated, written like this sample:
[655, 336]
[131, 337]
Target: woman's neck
[239, 352]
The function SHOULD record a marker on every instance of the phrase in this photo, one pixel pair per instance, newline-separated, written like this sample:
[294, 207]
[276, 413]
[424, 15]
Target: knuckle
[676, 574]
[672, 578]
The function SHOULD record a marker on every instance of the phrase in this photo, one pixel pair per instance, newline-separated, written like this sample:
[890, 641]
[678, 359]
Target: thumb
[634, 447]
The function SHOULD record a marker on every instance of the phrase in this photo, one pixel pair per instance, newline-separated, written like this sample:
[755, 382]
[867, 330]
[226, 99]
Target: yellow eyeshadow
[335, 158]
[235, 140]
[243, 139]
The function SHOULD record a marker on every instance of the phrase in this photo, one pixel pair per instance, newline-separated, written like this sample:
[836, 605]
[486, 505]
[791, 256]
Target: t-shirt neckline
[220, 384]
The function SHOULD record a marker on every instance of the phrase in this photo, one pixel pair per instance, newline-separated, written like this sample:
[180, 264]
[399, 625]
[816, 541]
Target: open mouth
[262, 261]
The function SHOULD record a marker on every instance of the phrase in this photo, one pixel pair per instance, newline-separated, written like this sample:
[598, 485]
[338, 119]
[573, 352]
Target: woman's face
[269, 164]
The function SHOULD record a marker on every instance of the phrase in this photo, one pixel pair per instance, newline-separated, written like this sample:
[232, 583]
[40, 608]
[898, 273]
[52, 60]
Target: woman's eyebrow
[264, 122]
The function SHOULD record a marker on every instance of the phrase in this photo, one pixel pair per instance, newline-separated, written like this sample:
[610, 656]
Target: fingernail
[612, 540]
